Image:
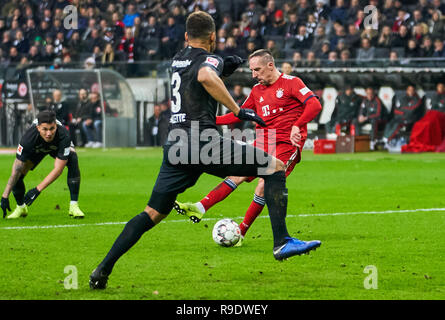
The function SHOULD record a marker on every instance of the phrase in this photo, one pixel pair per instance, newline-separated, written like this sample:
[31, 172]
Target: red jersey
[281, 105]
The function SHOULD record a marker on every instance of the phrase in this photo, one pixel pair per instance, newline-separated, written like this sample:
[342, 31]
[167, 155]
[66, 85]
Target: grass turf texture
[179, 260]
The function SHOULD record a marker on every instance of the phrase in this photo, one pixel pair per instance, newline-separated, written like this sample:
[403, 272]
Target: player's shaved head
[199, 25]
[264, 54]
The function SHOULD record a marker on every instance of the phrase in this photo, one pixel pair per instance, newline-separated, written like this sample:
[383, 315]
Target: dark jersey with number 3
[189, 100]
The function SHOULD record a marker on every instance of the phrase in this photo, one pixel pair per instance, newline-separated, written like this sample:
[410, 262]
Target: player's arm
[213, 84]
[32, 194]
[59, 165]
[17, 169]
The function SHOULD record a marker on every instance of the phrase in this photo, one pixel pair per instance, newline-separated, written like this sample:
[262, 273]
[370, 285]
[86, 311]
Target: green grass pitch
[363, 207]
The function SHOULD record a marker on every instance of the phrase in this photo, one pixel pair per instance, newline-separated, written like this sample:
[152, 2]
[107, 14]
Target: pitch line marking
[217, 218]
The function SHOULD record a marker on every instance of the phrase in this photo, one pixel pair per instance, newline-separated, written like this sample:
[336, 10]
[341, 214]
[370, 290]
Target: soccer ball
[226, 232]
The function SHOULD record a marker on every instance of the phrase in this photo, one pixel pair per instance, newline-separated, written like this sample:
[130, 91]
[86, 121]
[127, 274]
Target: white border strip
[217, 218]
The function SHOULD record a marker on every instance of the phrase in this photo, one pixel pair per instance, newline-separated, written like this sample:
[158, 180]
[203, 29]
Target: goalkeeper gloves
[5, 206]
[250, 115]
[31, 195]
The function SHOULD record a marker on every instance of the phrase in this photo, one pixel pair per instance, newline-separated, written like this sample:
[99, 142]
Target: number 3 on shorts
[176, 102]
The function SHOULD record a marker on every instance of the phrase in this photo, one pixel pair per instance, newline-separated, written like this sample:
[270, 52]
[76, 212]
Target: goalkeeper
[45, 136]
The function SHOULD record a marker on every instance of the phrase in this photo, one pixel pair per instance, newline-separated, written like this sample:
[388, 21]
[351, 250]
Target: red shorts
[285, 152]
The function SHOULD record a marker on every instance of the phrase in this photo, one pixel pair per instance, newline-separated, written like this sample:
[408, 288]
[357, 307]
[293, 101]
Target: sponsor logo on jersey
[304, 91]
[213, 61]
[280, 93]
[261, 99]
[181, 63]
[19, 150]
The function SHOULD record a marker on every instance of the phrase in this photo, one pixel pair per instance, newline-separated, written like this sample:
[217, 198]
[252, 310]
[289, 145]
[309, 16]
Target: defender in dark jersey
[194, 147]
[46, 136]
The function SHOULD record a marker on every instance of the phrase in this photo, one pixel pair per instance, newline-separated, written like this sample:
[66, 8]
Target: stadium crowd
[320, 31]
[301, 33]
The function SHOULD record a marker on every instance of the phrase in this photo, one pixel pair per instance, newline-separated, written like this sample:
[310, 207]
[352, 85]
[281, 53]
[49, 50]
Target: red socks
[218, 194]
[255, 208]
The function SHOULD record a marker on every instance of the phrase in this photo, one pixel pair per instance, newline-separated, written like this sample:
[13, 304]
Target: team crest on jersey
[280, 93]
[214, 62]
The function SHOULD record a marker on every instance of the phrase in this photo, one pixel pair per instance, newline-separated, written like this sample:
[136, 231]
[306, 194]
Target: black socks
[132, 232]
[19, 191]
[73, 176]
[275, 193]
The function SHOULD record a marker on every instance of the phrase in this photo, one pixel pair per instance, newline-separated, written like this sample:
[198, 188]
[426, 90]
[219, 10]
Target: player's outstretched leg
[195, 211]
[190, 210]
[73, 181]
[275, 193]
[21, 211]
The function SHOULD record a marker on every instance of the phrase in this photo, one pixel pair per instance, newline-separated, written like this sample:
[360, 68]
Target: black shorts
[233, 158]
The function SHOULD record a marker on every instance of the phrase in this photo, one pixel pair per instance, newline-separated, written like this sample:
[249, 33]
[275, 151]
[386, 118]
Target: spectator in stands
[256, 38]
[389, 10]
[278, 25]
[366, 51]
[272, 47]
[21, 43]
[339, 12]
[339, 34]
[401, 38]
[297, 60]
[118, 25]
[412, 51]
[323, 54]
[393, 60]
[6, 41]
[108, 57]
[436, 25]
[438, 98]
[253, 12]
[34, 55]
[286, 68]
[321, 10]
[319, 38]
[332, 61]
[439, 51]
[311, 61]
[130, 15]
[291, 29]
[345, 59]
[405, 112]
[385, 38]
[401, 19]
[14, 56]
[427, 48]
[172, 37]
[373, 112]
[302, 40]
[245, 25]
[438, 5]
[370, 33]
[352, 10]
[352, 38]
[153, 136]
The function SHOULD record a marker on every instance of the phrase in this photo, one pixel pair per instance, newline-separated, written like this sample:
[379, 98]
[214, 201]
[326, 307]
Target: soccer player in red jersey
[286, 105]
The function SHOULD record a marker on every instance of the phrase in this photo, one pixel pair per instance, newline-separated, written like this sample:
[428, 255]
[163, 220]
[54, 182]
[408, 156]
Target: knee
[259, 191]
[279, 165]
